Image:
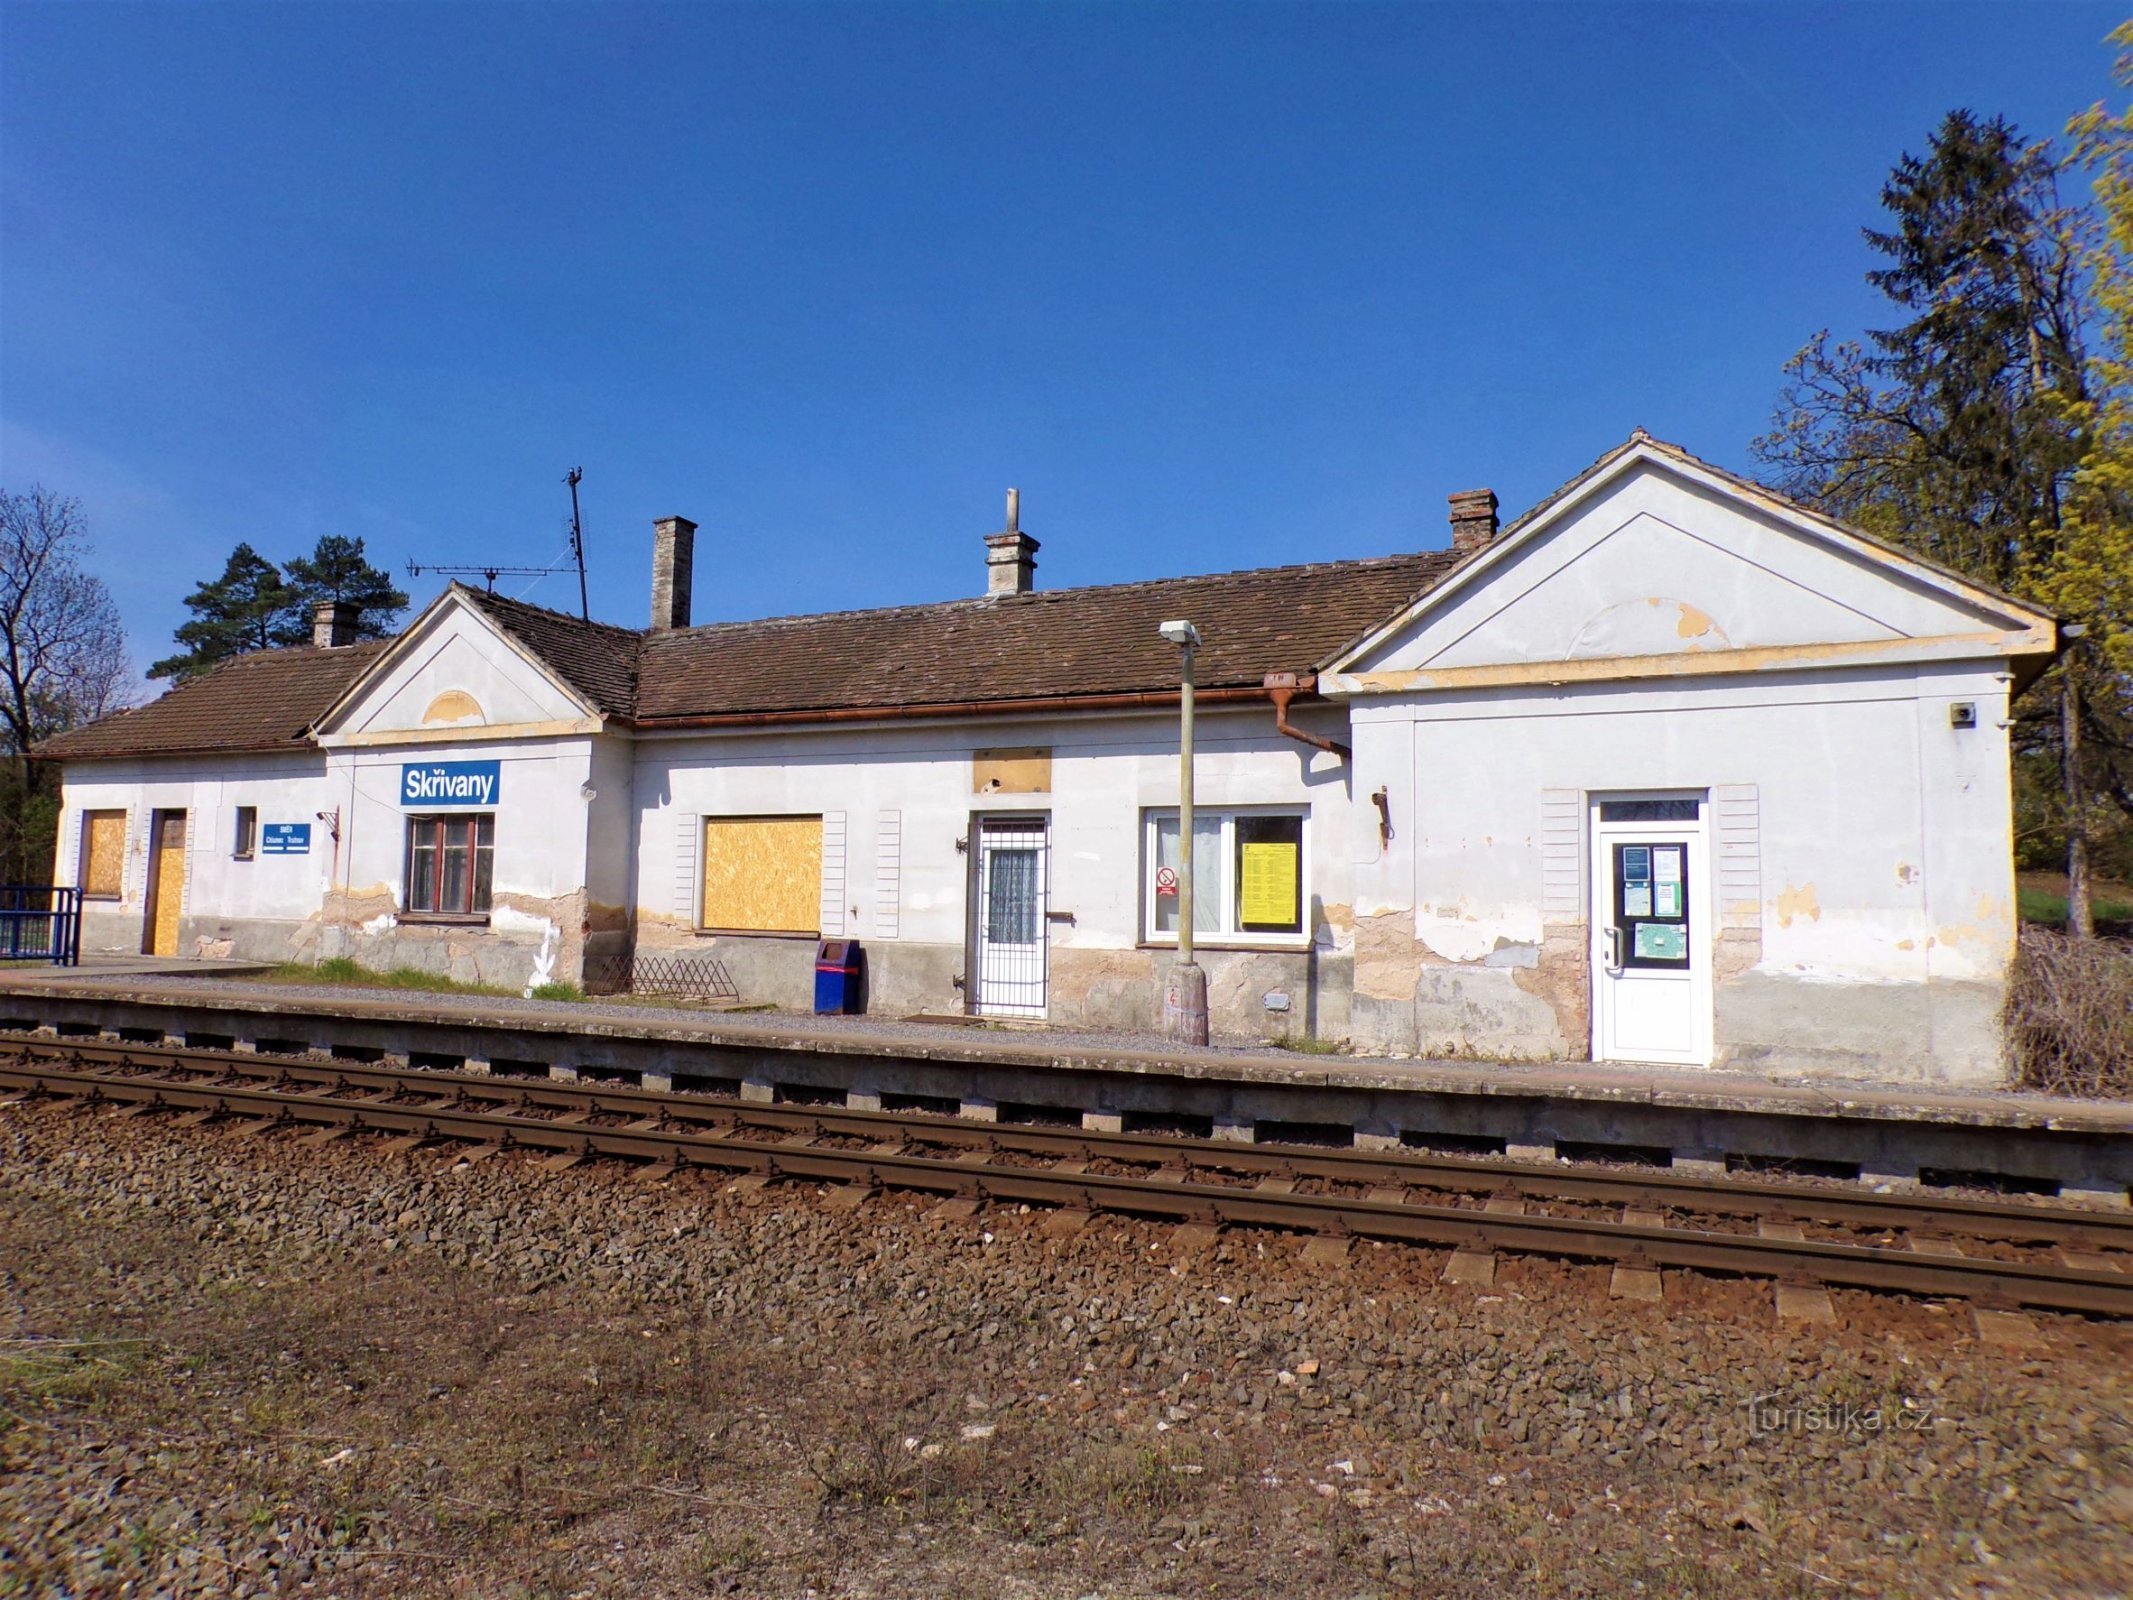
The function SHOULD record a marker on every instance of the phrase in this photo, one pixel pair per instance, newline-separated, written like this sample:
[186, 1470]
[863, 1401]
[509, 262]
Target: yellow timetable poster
[1268, 892]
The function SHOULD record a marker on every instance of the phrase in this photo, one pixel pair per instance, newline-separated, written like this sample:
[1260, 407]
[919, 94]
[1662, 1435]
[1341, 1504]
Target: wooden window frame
[479, 841]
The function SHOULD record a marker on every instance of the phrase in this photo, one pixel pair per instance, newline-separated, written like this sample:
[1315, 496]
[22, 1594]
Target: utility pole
[1185, 996]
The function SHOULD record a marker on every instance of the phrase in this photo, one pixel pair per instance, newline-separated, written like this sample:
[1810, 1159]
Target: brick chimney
[1473, 519]
[333, 623]
[673, 572]
[1011, 554]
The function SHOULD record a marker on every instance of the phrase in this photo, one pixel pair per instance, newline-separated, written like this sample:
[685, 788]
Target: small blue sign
[450, 783]
[285, 839]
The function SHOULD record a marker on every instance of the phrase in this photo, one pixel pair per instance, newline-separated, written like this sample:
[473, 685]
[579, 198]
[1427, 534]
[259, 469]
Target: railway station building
[1668, 770]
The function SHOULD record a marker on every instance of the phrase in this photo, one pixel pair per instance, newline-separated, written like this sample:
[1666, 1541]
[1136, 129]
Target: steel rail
[1952, 1215]
[2048, 1285]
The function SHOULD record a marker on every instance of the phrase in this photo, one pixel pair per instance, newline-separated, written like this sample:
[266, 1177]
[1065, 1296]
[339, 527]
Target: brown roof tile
[597, 659]
[1042, 645]
[262, 701]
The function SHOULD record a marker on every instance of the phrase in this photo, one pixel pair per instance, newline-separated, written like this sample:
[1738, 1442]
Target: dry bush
[2069, 1015]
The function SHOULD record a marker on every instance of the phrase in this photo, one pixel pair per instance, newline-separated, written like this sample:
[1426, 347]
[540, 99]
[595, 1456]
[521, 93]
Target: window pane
[422, 866]
[1011, 897]
[1269, 874]
[1206, 874]
[1650, 810]
[247, 825]
[453, 871]
[484, 860]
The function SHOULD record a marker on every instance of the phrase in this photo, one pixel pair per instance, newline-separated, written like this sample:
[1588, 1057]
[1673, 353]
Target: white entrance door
[1651, 955]
[1012, 885]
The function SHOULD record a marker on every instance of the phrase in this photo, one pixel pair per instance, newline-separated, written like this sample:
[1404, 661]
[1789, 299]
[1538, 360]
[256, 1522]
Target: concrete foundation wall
[1252, 995]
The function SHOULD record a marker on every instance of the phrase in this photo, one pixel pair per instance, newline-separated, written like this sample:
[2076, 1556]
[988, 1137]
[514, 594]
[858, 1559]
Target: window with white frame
[1248, 875]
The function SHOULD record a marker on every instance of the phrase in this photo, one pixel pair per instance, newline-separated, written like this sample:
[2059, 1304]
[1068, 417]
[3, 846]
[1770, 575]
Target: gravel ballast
[259, 1365]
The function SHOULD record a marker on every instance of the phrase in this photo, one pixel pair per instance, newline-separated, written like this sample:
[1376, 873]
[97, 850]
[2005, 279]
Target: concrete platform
[1891, 1133]
[104, 965]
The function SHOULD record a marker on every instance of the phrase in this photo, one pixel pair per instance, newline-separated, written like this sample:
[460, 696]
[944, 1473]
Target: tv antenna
[490, 574]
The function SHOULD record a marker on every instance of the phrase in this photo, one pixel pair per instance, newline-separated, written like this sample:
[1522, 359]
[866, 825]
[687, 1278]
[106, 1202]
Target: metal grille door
[1012, 884]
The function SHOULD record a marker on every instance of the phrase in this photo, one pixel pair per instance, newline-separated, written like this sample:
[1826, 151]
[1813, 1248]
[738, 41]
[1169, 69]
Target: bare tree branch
[62, 649]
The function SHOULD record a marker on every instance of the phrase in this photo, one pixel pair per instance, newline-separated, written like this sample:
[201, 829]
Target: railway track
[1991, 1252]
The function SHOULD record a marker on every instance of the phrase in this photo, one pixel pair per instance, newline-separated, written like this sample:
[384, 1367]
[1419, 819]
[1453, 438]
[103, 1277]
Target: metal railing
[40, 922]
[681, 977]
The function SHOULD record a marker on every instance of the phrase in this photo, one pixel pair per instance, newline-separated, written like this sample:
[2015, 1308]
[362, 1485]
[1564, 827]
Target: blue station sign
[285, 839]
[450, 783]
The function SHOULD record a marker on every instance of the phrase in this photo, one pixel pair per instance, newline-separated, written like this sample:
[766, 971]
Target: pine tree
[337, 570]
[250, 607]
[1955, 431]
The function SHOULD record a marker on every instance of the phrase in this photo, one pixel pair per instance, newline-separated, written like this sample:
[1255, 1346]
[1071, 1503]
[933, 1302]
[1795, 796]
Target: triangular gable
[454, 675]
[1654, 564]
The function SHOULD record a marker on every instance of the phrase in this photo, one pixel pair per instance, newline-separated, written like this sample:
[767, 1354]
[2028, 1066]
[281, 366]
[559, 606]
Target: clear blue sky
[1215, 285]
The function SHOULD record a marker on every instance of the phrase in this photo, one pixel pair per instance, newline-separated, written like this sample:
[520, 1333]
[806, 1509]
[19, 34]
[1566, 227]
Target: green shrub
[557, 991]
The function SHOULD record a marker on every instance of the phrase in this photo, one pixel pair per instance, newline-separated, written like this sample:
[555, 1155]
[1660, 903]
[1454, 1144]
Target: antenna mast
[577, 538]
[577, 550]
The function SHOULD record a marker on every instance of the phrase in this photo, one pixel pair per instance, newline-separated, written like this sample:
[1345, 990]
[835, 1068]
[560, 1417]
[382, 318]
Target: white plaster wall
[457, 650]
[611, 821]
[1655, 564]
[284, 788]
[542, 817]
[1104, 772]
[1881, 839]
[1884, 831]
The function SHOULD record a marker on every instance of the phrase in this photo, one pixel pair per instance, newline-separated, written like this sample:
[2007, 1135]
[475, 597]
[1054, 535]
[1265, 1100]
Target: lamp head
[1180, 632]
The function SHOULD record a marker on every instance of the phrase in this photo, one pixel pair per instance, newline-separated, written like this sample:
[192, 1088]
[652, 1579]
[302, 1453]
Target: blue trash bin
[837, 977]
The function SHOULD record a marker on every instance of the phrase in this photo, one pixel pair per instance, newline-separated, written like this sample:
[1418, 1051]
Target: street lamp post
[1185, 995]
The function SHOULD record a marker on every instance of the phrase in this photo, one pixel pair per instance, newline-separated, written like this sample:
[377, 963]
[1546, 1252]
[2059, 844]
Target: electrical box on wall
[1962, 714]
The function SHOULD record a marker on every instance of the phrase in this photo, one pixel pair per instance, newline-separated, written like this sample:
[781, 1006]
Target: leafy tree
[250, 607]
[62, 663]
[1965, 430]
[2091, 574]
[337, 570]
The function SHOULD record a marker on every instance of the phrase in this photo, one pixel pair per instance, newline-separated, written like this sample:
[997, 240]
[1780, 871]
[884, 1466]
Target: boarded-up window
[763, 874]
[103, 854]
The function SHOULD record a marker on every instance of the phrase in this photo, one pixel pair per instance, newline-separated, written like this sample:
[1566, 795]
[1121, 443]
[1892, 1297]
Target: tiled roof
[1043, 645]
[597, 659]
[1046, 645]
[262, 701]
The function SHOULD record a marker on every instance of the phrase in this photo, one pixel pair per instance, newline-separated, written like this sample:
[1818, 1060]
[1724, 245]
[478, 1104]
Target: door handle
[1614, 948]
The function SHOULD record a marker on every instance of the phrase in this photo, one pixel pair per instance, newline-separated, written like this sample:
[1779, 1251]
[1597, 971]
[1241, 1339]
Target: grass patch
[557, 991]
[2041, 897]
[339, 969]
[65, 1371]
[2041, 905]
[1306, 1045]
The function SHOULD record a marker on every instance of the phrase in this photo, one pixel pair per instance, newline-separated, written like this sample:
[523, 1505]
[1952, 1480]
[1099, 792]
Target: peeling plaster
[510, 919]
[1694, 624]
[1798, 902]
